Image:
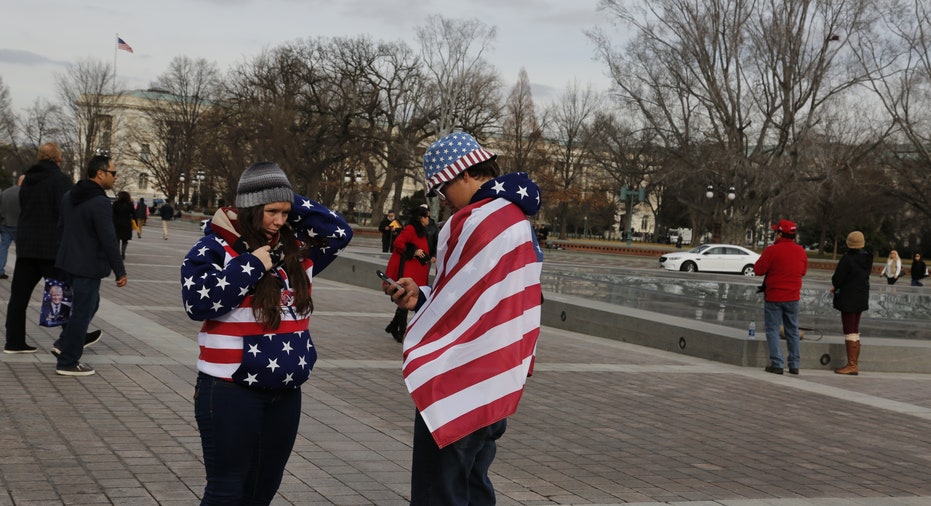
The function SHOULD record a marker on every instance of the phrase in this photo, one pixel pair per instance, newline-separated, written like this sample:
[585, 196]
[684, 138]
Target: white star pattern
[202, 251]
[302, 362]
[254, 349]
[189, 282]
[248, 268]
[306, 203]
[217, 306]
[204, 292]
[522, 192]
[222, 283]
[243, 291]
[341, 232]
[270, 336]
[272, 364]
[251, 378]
[287, 347]
[288, 379]
[498, 187]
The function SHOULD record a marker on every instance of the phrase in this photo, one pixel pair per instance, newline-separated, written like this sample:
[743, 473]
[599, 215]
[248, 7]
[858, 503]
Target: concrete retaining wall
[680, 335]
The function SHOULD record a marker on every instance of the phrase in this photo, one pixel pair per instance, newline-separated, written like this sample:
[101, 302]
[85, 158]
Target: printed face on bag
[55, 294]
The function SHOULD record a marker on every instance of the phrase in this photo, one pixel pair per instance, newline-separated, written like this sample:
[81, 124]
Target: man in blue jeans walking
[9, 214]
[89, 251]
[784, 263]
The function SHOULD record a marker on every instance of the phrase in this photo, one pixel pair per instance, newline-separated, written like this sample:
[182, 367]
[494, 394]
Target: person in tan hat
[851, 289]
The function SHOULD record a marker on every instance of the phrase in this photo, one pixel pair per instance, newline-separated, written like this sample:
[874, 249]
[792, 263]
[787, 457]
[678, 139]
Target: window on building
[143, 181]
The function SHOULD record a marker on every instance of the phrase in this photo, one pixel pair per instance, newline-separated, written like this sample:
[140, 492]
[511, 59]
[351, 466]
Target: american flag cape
[470, 347]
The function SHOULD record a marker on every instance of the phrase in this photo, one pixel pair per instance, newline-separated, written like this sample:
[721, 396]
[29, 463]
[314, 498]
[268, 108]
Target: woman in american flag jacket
[249, 280]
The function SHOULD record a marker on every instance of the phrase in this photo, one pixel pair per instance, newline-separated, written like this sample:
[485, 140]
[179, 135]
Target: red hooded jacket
[784, 263]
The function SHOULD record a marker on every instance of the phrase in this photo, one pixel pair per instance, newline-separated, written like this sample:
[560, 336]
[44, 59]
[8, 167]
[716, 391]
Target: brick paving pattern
[601, 422]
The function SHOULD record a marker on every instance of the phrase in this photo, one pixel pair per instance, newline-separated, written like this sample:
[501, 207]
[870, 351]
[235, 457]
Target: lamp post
[727, 198]
[199, 201]
[353, 178]
[182, 195]
[627, 197]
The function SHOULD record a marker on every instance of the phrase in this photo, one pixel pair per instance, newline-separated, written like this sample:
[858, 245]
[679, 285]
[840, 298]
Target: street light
[200, 196]
[728, 198]
[353, 179]
[627, 196]
[182, 194]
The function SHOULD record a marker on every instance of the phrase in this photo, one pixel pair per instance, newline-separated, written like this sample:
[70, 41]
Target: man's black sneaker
[773, 369]
[793, 371]
[80, 369]
[89, 339]
[19, 349]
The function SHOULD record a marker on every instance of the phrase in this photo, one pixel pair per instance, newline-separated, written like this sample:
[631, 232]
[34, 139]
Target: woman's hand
[264, 256]
[420, 253]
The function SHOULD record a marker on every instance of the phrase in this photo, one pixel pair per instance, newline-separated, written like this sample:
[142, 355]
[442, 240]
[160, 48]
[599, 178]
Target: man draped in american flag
[471, 344]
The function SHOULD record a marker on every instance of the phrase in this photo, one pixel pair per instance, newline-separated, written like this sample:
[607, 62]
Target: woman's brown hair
[266, 305]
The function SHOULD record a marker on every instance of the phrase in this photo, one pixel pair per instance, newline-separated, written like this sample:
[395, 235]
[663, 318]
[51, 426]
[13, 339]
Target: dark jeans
[84, 304]
[27, 272]
[247, 435]
[456, 475]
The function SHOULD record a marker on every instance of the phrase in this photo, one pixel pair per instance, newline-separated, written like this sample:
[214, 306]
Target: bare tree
[174, 116]
[89, 94]
[564, 183]
[522, 131]
[465, 87]
[897, 54]
[734, 87]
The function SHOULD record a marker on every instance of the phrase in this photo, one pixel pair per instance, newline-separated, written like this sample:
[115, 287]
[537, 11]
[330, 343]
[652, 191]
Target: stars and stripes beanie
[449, 156]
[262, 183]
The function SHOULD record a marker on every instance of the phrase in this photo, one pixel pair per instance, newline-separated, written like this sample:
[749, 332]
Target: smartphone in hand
[388, 280]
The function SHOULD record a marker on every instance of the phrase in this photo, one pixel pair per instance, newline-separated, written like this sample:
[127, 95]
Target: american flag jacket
[471, 344]
[216, 287]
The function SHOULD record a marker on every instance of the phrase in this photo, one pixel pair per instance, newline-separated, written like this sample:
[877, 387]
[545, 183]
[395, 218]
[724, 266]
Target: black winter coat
[851, 281]
[40, 195]
[123, 215]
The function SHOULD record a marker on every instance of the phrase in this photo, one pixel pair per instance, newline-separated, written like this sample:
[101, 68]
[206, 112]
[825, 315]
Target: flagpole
[115, 44]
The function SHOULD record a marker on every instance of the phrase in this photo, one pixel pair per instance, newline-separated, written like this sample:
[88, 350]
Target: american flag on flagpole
[121, 44]
[469, 349]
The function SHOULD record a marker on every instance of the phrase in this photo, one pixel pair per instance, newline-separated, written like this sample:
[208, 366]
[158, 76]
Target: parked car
[711, 258]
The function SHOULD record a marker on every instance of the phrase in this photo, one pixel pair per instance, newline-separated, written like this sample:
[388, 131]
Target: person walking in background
[433, 234]
[123, 216]
[142, 216]
[389, 227]
[893, 268]
[410, 257]
[9, 214]
[919, 270]
[784, 263]
[249, 280]
[37, 239]
[89, 252]
[471, 344]
[851, 289]
[166, 213]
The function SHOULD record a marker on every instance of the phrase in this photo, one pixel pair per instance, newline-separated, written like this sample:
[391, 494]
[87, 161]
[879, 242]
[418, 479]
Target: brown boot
[853, 355]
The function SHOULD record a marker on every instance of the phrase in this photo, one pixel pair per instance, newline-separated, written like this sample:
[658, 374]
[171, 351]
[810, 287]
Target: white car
[711, 258]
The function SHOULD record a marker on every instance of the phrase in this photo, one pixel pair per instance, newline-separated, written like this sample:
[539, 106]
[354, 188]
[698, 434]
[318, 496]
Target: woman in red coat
[410, 258]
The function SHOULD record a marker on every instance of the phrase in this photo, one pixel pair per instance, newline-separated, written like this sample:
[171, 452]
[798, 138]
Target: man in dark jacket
[89, 251]
[784, 263]
[37, 239]
[166, 213]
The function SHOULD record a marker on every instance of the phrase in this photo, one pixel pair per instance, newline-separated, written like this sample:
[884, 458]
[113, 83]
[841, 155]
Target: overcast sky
[39, 38]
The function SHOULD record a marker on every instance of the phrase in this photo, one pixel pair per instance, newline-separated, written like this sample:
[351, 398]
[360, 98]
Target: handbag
[135, 225]
[56, 303]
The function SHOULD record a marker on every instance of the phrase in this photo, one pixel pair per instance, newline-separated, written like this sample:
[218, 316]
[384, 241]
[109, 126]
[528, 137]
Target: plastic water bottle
[751, 330]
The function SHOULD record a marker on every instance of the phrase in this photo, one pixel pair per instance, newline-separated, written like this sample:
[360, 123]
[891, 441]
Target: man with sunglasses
[89, 251]
[470, 346]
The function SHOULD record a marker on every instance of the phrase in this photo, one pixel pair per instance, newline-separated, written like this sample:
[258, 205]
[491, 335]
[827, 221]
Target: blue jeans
[456, 475]
[7, 235]
[785, 313]
[84, 303]
[247, 435]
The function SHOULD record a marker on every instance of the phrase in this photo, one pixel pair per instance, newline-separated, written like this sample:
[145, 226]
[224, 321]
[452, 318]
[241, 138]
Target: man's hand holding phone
[403, 292]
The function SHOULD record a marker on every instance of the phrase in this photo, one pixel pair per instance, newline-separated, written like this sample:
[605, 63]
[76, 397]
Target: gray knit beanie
[262, 183]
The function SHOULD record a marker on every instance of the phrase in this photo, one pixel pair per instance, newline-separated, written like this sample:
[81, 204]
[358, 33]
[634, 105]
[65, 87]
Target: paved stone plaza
[601, 422]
